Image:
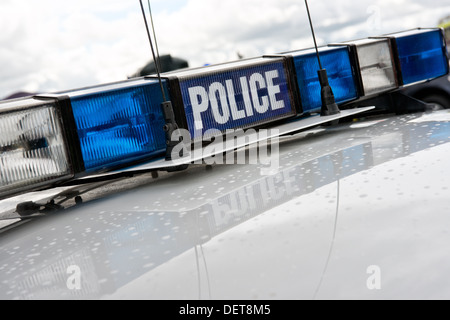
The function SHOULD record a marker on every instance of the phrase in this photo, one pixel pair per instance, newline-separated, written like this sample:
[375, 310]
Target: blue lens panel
[340, 75]
[236, 97]
[120, 126]
[422, 56]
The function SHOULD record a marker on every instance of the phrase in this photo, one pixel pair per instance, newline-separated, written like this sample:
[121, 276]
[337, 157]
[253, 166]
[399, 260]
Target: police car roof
[348, 201]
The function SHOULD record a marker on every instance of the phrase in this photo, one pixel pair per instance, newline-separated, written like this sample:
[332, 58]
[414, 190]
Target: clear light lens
[376, 65]
[336, 60]
[422, 55]
[32, 148]
[118, 127]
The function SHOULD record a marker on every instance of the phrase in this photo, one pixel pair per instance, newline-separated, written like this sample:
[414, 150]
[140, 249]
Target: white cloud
[51, 45]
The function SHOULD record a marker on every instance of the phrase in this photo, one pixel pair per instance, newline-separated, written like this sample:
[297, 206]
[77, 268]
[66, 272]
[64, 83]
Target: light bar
[32, 145]
[375, 65]
[236, 95]
[52, 138]
[336, 60]
[421, 55]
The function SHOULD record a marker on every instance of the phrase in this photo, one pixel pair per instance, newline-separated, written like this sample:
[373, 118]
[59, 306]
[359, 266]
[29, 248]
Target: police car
[99, 202]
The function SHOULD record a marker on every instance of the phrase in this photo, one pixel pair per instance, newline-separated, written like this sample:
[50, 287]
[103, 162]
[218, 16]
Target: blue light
[340, 75]
[421, 55]
[119, 126]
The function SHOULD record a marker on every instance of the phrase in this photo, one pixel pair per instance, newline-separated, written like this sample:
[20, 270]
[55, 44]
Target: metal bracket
[169, 127]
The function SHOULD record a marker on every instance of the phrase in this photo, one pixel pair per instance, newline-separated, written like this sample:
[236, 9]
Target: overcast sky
[51, 45]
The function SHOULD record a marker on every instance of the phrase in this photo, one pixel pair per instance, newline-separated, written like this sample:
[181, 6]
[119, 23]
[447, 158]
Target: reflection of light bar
[340, 74]
[375, 65]
[421, 55]
[237, 95]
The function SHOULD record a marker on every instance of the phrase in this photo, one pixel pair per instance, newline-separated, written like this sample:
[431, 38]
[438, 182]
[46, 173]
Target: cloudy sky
[51, 45]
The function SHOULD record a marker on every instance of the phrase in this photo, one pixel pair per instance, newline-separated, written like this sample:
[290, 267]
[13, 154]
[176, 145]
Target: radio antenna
[158, 71]
[169, 116]
[329, 106]
[154, 37]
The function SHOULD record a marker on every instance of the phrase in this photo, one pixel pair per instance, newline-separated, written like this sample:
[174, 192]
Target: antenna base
[169, 127]
[329, 106]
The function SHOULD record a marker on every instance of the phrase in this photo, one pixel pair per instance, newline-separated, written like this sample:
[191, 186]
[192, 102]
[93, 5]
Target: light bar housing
[420, 55]
[52, 138]
[32, 145]
[236, 95]
[114, 125]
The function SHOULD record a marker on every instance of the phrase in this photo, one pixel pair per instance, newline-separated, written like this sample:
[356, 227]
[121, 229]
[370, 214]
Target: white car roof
[349, 203]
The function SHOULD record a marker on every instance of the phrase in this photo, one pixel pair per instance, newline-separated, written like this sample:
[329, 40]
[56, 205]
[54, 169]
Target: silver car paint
[350, 204]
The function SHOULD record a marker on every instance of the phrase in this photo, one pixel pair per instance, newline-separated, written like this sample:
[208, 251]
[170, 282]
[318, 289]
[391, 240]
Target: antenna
[158, 72]
[169, 116]
[154, 36]
[329, 106]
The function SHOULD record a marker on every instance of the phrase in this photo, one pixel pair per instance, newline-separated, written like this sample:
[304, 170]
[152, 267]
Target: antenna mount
[167, 109]
[329, 106]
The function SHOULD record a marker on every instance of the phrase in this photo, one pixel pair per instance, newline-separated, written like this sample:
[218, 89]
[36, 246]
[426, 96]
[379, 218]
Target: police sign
[235, 95]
